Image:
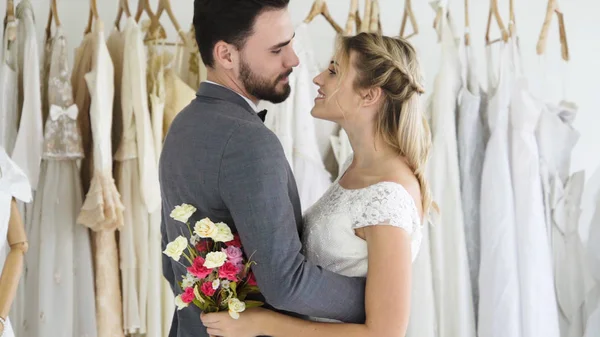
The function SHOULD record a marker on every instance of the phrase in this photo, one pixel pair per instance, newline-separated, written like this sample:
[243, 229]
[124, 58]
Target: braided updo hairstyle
[391, 64]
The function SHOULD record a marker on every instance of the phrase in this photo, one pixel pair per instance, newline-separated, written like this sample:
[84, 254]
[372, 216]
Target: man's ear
[225, 54]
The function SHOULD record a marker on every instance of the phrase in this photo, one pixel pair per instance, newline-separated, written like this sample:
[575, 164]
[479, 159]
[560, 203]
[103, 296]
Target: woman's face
[337, 101]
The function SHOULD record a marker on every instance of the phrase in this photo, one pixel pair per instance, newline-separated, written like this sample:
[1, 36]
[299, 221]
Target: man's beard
[261, 88]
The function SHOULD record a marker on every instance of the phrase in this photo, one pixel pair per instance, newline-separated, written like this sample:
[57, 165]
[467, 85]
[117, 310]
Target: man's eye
[276, 51]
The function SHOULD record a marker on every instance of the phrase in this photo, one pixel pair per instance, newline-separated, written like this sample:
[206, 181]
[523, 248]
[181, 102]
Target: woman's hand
[248, 325]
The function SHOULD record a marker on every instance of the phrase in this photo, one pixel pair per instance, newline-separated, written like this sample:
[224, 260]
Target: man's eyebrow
[283, 44]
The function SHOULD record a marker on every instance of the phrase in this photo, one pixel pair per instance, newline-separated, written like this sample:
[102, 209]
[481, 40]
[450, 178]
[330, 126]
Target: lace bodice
[329, 238]
[62, 139]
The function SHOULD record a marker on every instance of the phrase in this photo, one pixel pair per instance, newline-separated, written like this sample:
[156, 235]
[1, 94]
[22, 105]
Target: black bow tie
[262, 114]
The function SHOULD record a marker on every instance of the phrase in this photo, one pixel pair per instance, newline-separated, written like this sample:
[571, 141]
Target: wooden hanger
[467, 27]
[123, 9]
[52, 15]
[9, 17]
[541, 45]
[408, 15]
[353, 19]
[496, 14]
[512, 23]
[375, 25]
[143, 6]
[319, 7]
[93, 15]
[164, 6]
[364, 27]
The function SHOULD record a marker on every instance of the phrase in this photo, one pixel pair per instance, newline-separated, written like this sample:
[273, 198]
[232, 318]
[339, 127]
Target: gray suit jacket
[219, 157]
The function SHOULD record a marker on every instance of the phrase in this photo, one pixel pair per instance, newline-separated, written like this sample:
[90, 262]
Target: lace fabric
[329, 237]
[62, 138]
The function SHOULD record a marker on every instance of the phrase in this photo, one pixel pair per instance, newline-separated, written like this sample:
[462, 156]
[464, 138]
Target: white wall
[579, 80]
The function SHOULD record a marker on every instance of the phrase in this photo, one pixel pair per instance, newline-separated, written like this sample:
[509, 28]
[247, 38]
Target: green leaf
[253, 304]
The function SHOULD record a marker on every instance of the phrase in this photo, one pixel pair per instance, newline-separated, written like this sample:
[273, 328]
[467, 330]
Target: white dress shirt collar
[252, 105]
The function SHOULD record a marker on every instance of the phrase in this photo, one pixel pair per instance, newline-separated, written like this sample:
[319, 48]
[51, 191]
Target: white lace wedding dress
[329, 239]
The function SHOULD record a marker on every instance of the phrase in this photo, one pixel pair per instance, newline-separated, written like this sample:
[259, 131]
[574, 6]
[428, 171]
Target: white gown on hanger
[139, 188]
[562, 195]
[13, 184]
[590, 222]
[539, 316]
[27, 151]
[30, 138]
[293, 124]
[60, 255]
[450, 266]
[471, 151]
[499, 300]
[8, 91]
[157, 93]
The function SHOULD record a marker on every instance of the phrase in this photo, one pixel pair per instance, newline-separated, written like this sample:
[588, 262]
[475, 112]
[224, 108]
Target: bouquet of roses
[218, 276]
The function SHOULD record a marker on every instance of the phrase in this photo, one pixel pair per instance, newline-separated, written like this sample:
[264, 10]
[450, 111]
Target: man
[220, 157]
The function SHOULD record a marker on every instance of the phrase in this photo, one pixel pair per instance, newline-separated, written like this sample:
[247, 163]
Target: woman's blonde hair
[391, 64]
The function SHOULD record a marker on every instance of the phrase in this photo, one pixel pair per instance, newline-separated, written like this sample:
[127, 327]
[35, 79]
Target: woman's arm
[387, 298]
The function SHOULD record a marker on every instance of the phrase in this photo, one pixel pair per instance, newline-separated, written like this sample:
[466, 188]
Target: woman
[372, 214]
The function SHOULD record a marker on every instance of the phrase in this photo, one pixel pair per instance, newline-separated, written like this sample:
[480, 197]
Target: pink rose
[207, 289]
[188, 295]
[236, 242]
[198, 269]
[229, 271]
[251, 279]
[234, 255]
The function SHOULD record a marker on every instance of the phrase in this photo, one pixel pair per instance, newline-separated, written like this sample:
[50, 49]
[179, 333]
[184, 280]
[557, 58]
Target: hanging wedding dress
[499, 299]
[8, 90]
[450, 267]
[27, 151]
[139, 187]
[13, 184]
[188, 64]
[158, 60]
[539, 316]
[590, 222]
[60, 261]
[102, 210]
[562, 194]
[293, 124]
[471, 151]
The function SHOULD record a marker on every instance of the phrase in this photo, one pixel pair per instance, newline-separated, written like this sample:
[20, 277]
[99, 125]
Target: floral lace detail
[62, 138]
[329, 238]
[386, 203]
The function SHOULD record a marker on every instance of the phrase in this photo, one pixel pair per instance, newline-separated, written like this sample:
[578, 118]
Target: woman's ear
[371, 96]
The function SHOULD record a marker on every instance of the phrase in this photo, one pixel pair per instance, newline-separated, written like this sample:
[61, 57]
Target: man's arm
[253, 181]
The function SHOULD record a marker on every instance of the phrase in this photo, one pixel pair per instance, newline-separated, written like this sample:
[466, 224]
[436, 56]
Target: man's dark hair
[231, 21]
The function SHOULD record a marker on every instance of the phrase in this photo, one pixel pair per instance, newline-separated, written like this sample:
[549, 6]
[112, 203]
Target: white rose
[194, 239]
[180, 303]
[188, 281]
[216, 284]
[225, 284]
[183, 212]
[205, 228]
[215, 260]
[223, 233]
[176, 247]
[235, 307]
